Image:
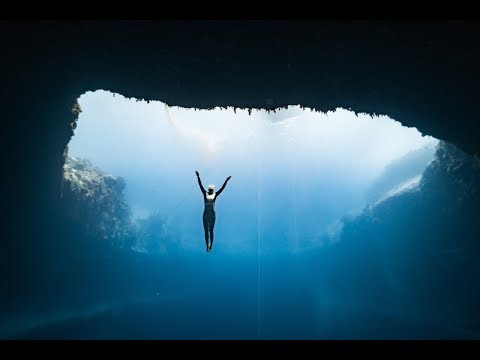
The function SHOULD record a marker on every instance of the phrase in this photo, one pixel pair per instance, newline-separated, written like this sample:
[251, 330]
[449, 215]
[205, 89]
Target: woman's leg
[205, 228]
[210, 229]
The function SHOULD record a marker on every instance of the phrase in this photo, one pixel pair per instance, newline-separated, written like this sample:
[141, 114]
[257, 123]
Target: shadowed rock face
[453, 176]
[424, 74]
[400, 172]
[422, 243]
[438, 213]
[447, 194]
[95, 200]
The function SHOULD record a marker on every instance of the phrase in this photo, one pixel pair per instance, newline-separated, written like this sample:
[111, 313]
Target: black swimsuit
[209, 211]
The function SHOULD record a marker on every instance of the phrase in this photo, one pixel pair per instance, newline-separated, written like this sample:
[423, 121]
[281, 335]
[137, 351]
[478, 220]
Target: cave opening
[298, 170]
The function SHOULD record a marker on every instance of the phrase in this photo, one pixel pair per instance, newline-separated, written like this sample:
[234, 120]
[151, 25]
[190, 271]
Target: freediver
[209, 199]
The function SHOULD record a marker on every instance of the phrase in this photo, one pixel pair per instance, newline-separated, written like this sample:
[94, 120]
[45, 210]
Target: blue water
[215, 296]
[280, 267]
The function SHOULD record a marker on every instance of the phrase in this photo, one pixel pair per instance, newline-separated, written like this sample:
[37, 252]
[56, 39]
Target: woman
[209, 211]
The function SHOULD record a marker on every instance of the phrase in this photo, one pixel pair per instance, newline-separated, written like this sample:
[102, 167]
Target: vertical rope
[295, 233]
[259, 251]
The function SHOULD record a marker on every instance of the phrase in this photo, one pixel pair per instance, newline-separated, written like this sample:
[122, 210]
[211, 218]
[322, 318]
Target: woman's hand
[228, 178]
[196, 173]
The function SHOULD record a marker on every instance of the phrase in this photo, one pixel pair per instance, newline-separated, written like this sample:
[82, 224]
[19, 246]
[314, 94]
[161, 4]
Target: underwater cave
[324, 212]
[336, 224]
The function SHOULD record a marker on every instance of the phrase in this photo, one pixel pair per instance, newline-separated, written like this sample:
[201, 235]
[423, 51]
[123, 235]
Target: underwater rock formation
[454, 175]
[154, 236]
[95, 200]
[400, 171]
[448, 191]
[423, 241]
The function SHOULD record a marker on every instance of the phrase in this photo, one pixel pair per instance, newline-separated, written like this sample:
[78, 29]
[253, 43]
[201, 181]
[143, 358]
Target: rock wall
[419, 248]
[95, 200]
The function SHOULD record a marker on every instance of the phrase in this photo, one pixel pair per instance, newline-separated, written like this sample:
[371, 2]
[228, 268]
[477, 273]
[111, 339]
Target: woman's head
[211, 189]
